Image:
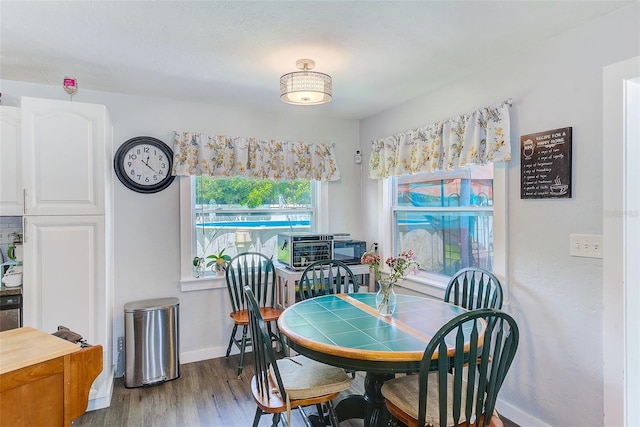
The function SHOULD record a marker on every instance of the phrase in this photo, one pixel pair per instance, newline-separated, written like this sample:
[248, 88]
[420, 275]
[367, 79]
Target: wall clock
[144, 164]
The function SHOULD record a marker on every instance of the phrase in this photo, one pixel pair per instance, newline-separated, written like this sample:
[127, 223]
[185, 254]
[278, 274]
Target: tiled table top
[348, 326]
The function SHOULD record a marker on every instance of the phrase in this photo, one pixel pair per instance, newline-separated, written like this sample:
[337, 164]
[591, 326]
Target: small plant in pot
[198, 263]
[218, 261]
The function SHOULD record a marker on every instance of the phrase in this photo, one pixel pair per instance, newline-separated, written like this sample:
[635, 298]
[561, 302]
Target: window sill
[202, 283]
[428, 284]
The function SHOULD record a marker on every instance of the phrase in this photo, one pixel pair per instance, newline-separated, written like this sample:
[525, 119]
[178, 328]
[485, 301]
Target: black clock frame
[124, 177]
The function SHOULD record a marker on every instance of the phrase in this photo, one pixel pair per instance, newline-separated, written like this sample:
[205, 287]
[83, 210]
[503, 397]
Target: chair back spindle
[474, 288]
[255, 270]
[326, 277]
[263, 353]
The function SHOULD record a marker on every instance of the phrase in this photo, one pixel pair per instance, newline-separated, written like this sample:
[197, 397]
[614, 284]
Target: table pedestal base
[369, 406]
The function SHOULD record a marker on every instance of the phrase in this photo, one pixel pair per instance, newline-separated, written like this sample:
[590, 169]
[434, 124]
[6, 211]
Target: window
[446, 218]
[239, 214]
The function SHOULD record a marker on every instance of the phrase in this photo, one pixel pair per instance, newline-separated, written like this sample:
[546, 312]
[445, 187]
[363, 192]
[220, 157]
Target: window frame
[435, 284]
[187, 226]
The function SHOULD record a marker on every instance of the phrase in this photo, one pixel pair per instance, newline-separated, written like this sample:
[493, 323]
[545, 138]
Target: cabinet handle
[24, 200]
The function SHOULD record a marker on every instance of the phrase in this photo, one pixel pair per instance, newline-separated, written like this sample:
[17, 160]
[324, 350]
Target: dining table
[346, 330]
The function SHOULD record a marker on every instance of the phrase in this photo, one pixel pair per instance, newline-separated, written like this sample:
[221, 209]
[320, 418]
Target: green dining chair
[292, 382]
[325, 277]
[473, 288]
[257, 271]
[449, 391]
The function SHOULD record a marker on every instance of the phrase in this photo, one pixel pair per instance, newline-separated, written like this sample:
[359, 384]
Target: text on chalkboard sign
[545, 159]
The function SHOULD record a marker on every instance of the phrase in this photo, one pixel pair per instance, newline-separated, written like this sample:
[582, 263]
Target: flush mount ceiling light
[305, 87]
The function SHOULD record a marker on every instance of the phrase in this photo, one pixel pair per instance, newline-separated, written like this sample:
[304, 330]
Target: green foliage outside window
[251, 193]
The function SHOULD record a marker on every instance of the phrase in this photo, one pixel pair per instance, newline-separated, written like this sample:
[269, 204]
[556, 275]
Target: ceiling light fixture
[305, 87]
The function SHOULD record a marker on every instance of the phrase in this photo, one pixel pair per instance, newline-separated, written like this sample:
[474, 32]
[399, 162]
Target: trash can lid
[151, 304]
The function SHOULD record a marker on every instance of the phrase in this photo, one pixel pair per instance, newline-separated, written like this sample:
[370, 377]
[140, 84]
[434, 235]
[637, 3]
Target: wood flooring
[207, 394]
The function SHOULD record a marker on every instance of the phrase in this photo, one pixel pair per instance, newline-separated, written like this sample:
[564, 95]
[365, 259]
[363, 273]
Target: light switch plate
[585, 245]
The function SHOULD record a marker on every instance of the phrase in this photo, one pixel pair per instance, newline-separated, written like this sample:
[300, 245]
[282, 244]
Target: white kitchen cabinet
[10, 162]
[68, 283]
[68, 237]
[66, 148]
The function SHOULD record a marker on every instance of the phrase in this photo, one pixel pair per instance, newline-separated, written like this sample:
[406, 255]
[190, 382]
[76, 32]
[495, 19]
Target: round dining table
[346, 330]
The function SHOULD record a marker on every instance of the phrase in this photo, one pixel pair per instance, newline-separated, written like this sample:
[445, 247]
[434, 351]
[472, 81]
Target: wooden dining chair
[324, 277]
[292, 382]
[449, 391]
[473, 288]
[255, 270]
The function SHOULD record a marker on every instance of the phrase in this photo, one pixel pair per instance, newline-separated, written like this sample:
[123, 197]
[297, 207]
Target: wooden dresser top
[27, 346]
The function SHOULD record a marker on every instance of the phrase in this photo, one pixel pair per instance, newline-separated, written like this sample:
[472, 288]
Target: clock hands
[147, 165]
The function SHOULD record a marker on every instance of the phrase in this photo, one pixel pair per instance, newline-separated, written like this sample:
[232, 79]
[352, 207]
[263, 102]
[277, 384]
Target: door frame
[621, 218]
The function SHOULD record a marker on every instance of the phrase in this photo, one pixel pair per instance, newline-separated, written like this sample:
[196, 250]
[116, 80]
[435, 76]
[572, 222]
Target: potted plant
[198, 263]
[218, 261]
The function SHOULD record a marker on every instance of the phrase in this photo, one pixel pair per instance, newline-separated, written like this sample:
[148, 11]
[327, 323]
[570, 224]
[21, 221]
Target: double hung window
[238, 214]
[446, 218]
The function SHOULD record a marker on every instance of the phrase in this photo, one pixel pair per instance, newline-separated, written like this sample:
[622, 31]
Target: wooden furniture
[255, 270]
[280, 385]
[287, 282]
[474, 288]
[44, 380]
[449, 391]
[328, 276]
[346, 330]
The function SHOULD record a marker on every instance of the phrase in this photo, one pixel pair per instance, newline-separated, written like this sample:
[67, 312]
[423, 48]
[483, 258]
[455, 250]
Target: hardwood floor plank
[207, 394]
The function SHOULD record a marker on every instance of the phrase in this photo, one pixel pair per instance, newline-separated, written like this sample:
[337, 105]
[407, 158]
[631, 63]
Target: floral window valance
[217, 155]
[480, 137]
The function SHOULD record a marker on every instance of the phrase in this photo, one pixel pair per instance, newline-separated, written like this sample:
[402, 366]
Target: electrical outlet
[585, 245]
[375, 247]
[120, 344]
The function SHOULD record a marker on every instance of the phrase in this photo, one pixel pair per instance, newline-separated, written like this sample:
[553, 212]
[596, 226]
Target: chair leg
[243, 345]
[276, 420]
[256, 419]
[333, 417]
[233, 335]
[320, 410]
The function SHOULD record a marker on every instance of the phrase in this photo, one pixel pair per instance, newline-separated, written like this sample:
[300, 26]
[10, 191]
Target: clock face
[144, 164]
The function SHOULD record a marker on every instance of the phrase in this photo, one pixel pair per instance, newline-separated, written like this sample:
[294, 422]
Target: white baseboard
[101, 398]
[205, 354]
[518, 416]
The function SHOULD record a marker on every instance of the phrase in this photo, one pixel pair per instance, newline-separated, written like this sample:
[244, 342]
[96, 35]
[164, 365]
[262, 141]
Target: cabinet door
[64, 157]
[65, 280]
[10, 162]
[64, 273]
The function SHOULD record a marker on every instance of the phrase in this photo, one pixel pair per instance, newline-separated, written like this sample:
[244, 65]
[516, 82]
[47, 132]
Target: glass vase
[386, 298]
[199, 267]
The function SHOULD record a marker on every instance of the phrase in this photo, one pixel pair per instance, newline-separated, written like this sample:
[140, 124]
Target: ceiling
[379, 53]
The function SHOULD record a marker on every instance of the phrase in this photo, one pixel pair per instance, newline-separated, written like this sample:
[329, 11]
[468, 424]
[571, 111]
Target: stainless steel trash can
[151, 341]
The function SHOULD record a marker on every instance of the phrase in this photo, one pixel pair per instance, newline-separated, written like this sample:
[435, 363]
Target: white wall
[147, 226]
[557, 376]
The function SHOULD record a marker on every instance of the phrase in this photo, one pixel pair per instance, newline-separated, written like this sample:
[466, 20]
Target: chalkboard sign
[545, 162]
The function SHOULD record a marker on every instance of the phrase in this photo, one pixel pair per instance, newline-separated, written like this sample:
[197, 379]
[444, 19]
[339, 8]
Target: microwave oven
[349, 251]
[298, 250]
